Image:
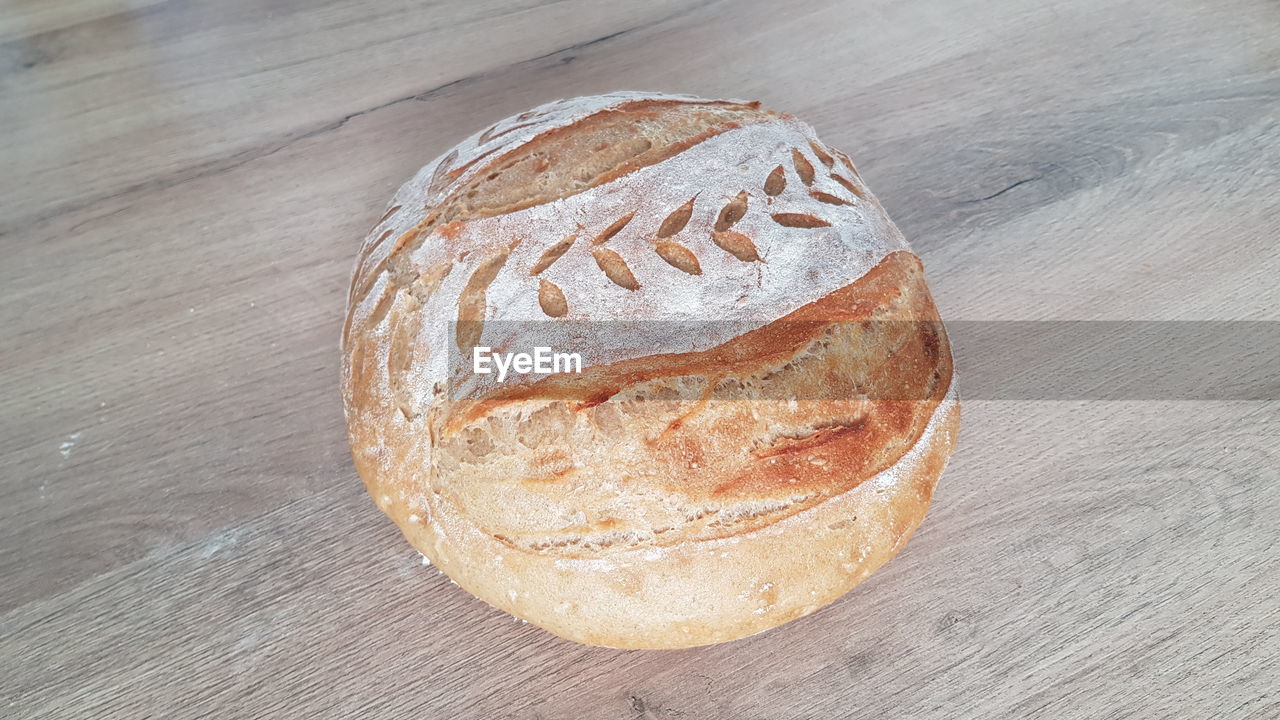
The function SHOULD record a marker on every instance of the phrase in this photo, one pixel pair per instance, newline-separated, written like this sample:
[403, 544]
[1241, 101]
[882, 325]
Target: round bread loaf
[765, 400]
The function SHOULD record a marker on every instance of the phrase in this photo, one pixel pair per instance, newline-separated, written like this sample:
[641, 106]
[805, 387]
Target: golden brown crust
[818, 532]
[695, 593]
[705, 451]
[592, 151]
[660, 500]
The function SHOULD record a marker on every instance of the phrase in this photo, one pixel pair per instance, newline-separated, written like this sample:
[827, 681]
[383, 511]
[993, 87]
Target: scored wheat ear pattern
[410, 289]
[554, 302]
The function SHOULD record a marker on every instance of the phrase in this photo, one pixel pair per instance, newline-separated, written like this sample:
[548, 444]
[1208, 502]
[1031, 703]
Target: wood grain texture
[181, 531]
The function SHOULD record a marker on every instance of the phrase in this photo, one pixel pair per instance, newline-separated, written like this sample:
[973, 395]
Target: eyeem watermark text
[542, 361]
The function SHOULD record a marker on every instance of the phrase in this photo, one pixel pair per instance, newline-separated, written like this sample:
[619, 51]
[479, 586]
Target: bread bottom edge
[704, 592]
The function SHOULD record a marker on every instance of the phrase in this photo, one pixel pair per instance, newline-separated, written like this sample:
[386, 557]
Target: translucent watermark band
[994, 360]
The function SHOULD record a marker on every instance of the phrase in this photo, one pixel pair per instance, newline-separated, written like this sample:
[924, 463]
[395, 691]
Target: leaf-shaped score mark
[403, 326]
[553, 254]
[439, 178]
[457, 172]
[776, 182]
[361, 259]
[430, 279]
[678, 256]
[676, 221]
[804, 168]
[828, 198]
[732, 212]
[737, 245]
[390, 211]
[848, 185]
[822, 154]
[471, 302]
[493, 132]
[608, 233]
[849, 164]
[799, 220]
[551, 299]
[615, 268]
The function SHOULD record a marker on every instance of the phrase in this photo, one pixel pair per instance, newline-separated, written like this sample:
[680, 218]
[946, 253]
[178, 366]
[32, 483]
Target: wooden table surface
[184, 188]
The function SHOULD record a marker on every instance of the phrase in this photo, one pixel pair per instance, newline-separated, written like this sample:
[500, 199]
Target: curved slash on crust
[471, 301]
